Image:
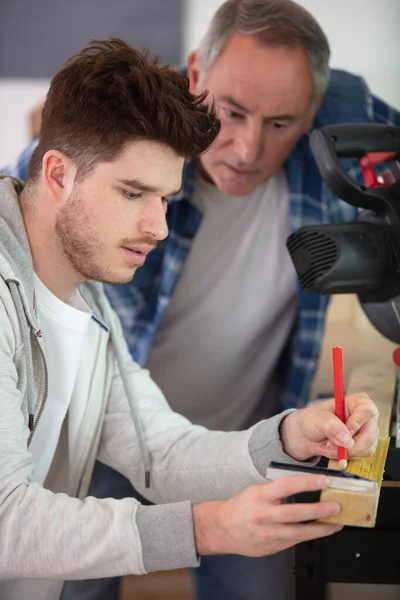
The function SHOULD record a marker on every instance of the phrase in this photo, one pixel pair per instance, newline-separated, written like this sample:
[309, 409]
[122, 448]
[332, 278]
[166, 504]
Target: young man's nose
[153, 222]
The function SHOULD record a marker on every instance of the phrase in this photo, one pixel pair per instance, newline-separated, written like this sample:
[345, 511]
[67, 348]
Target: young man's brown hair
[110, 94]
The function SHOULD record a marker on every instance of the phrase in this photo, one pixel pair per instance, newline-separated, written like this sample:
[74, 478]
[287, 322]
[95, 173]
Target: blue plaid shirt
[141, 304]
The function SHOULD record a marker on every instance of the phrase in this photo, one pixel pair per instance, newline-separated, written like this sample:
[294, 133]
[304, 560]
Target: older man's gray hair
[274, 22]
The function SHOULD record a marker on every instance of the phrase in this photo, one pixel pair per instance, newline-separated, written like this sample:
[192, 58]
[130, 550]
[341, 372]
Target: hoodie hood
[15, 256]
[16, 269]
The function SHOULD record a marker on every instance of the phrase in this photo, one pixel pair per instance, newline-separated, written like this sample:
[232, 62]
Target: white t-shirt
[230, 316]
[64, 327]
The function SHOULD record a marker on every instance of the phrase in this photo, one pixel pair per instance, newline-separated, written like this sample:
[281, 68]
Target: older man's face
[263, 95]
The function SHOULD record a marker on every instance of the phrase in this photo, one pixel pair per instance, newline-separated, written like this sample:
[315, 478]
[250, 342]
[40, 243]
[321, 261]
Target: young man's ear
[58, 174]
[194, 73]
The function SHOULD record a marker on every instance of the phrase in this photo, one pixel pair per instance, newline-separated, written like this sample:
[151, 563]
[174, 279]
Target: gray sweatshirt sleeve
[48, 535]
[167, 536]
[188, 462]
[53, 536]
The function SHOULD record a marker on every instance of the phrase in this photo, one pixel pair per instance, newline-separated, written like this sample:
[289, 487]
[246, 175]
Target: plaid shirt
[141, 304]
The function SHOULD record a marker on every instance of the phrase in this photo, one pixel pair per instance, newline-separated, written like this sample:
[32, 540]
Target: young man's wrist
[289, 435]
[207, 528]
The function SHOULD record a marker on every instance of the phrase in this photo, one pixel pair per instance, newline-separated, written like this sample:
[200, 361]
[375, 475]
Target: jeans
[229, 577]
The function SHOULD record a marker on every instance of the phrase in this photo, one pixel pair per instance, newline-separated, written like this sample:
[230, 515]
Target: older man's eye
[277, 125]
[231, 114]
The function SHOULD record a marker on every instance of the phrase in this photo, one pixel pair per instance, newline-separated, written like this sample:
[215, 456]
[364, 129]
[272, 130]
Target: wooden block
[358, 508]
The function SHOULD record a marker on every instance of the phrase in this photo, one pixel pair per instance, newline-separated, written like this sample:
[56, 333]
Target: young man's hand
[257, 521]
[316, 431]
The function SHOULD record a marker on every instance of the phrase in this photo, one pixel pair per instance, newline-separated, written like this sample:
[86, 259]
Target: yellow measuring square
[359, 508]
[371, 467]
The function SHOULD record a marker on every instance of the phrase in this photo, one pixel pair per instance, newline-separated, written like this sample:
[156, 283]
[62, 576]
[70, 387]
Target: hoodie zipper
[46, 390]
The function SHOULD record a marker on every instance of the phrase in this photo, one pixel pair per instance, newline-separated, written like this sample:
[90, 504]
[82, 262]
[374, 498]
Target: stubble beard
[80, 245]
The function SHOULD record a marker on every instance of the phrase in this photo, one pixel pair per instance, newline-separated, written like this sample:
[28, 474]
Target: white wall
[364, 37]
[17, 98]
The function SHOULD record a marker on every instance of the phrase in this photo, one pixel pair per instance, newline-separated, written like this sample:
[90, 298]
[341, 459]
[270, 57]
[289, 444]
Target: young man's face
[116, 215]
[263, 95]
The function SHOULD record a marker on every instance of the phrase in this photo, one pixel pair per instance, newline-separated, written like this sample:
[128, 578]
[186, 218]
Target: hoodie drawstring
[144, 452]
[26, 337]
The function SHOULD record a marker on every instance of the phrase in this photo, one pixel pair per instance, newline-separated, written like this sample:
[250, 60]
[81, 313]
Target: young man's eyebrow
[279, 117]
[140, 186]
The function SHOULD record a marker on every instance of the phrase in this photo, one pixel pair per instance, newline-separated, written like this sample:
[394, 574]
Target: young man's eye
[132, 195]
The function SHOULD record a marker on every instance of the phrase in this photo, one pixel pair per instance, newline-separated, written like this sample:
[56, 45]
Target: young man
[115, 133]
[216, 312]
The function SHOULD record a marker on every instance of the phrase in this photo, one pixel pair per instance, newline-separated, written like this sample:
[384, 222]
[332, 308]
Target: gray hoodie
[55, 532]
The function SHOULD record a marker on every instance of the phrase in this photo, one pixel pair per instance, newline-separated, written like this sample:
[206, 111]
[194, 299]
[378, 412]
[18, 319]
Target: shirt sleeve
[19, 167]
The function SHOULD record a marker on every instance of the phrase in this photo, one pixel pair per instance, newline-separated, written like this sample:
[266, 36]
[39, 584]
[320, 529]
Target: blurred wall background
[36, 38]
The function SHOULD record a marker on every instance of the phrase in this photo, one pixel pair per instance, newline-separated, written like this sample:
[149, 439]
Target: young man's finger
[313, 531]
[277, 491]
[289, 535]
[299, 513]
[359, 418]
[335, 430]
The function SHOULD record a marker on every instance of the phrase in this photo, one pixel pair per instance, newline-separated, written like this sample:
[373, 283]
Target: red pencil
[339, 399]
